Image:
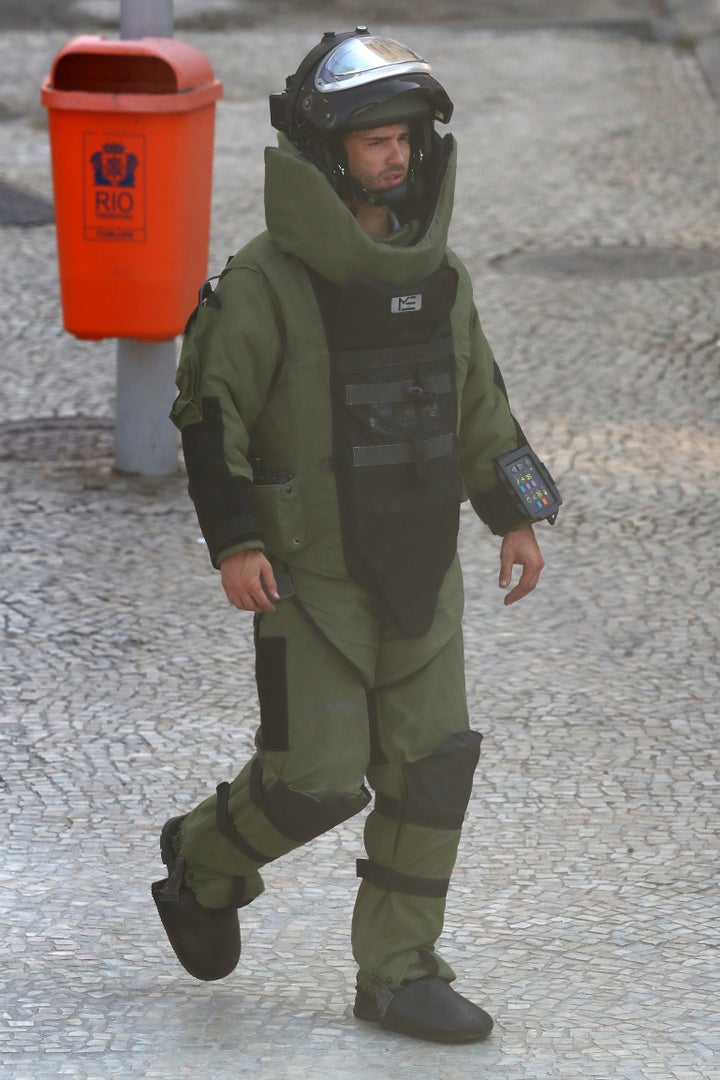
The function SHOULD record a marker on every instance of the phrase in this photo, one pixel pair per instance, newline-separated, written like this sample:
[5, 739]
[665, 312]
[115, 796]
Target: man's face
[378, 158]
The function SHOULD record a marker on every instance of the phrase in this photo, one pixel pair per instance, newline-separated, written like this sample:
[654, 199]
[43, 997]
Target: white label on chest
[399, 304]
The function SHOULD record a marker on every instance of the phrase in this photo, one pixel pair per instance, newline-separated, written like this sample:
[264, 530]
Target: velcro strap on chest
[403, 453]
[406, 389]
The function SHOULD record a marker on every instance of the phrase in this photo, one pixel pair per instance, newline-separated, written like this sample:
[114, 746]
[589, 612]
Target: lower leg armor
[250, 823]
[411, 838]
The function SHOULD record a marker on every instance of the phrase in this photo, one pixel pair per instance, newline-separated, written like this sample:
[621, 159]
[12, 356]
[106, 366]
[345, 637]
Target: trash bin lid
[159, 74]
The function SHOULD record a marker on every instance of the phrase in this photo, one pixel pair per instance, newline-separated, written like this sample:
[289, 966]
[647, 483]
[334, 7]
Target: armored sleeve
[487, 428]
[231, 352]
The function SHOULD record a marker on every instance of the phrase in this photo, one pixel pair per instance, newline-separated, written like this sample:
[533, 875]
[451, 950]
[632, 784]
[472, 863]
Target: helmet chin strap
[394, 196]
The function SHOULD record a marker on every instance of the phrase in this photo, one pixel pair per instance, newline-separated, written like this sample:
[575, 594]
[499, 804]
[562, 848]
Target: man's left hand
[520, 548]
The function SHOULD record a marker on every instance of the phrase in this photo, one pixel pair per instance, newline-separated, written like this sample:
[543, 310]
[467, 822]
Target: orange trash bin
[131, 138]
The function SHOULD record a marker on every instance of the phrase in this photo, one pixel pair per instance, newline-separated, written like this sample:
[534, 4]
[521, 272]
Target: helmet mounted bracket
[283, 106]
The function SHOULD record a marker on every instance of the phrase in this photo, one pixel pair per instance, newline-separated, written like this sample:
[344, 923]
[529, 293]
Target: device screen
[528, 484]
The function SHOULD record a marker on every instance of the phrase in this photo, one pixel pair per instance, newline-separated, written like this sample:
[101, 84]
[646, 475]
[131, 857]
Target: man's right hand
[243, 576]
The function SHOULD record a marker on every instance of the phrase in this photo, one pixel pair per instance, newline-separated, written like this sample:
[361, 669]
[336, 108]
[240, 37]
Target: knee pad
[438, 786]
[298, 815]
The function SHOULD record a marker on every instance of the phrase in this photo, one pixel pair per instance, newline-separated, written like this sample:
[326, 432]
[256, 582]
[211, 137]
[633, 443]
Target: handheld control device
[530, 484]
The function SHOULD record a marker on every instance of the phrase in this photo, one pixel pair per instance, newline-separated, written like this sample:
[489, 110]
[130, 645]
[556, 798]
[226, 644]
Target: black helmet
[353, 81]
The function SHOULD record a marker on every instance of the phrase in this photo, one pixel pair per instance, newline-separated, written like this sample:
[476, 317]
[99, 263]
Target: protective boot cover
[427, 1008]
[392, 378]
[205, 940]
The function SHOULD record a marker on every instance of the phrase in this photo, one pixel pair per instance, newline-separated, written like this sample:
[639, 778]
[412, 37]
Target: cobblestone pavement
[582, 914]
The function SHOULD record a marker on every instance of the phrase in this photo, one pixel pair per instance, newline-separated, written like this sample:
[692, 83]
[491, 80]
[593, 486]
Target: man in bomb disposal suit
[337, 401]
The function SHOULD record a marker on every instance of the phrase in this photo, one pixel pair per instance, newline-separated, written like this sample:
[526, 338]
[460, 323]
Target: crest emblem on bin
[114, 166]
[114, 187]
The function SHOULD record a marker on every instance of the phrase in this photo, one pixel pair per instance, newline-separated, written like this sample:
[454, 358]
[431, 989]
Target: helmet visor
[358, 61]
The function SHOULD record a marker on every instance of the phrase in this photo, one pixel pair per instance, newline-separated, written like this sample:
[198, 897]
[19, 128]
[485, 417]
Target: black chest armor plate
[394, 401]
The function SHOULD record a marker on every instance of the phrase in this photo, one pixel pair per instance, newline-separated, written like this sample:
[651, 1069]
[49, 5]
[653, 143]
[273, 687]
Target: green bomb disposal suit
[337, 398]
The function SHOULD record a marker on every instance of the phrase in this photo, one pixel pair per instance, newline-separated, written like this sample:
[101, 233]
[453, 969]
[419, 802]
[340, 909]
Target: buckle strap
[226, 827]
[403, 453]
[388, 393]
[382, 877]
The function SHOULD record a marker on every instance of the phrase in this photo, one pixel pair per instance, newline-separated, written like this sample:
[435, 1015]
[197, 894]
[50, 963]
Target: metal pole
[146, 442]
[146, 18]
